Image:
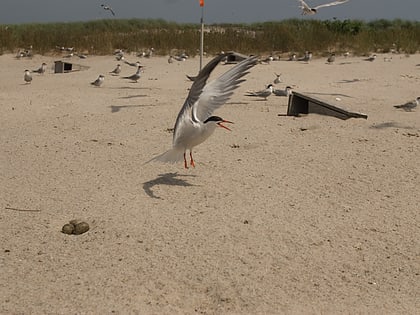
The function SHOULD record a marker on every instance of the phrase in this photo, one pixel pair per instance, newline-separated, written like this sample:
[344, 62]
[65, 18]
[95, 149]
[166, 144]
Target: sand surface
[283, 215]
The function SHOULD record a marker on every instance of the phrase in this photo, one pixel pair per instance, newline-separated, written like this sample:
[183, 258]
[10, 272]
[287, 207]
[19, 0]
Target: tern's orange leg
[192, 160]
[185, 161]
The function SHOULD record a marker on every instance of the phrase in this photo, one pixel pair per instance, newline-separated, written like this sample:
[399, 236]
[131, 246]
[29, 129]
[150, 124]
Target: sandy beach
[282, 215]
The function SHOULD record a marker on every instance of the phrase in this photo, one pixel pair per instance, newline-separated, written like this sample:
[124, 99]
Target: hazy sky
[189, 11]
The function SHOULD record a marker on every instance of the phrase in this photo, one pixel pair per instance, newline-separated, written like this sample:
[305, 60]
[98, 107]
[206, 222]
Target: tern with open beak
[195, 122]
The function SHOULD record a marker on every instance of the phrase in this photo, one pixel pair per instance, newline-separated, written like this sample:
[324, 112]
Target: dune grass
[294, 35]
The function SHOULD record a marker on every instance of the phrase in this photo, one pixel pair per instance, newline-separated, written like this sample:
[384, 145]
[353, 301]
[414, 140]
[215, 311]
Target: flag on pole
[201, 3]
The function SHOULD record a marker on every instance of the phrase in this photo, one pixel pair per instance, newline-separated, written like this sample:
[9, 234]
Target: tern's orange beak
[223, 126]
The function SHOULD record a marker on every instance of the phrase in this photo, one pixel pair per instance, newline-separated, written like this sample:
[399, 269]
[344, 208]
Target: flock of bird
[195, 121]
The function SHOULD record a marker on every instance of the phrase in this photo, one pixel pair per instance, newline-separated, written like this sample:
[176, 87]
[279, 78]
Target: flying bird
[195, 122]
[108, 8]
[409, 105]
[307, 10]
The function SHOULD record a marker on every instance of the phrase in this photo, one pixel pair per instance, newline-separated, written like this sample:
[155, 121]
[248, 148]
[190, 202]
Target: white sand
[283, 215]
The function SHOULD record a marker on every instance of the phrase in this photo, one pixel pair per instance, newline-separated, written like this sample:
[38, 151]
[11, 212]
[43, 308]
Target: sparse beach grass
[293, 35]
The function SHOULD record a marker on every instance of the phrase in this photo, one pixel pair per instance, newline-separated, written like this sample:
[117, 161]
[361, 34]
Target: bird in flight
[108, 8]
[307, 10]
[196, 122]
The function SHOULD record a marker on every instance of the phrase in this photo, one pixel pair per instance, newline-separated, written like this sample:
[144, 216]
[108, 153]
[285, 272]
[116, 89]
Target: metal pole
[202, 37]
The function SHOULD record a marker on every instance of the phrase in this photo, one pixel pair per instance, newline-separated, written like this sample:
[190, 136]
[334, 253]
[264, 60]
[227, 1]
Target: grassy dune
[294, 35]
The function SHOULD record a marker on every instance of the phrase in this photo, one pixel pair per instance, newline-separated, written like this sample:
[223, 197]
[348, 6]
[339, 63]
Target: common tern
[286, 92]
[331, 58]
[307, 57]
[108, 8]
[27, 76]
[99, 81]
[371, 58]
[409, 105]
[307, 10]
[195, 122]
[132, 64]
[117, 70]
[42, 69]
[277, 80]
[136, 76]
[263, 93]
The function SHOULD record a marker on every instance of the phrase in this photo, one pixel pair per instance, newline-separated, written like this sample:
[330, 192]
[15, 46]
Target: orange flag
[201, 3]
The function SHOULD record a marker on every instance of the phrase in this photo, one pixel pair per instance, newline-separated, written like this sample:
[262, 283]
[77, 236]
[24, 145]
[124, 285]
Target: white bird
[42, 69]
[195, 122]
[277, 80]
[171, 59]
[286, 92]
[409, 105]
[307, 10]
[108, 8]
[136, 76]
[263, 93]
[117, 70]
[27, 76]
[99, 81]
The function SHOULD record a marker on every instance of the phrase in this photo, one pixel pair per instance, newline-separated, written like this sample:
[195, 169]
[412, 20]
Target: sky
[189, 11]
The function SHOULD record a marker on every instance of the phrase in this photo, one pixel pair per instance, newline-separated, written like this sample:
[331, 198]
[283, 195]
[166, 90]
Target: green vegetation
[294, 35]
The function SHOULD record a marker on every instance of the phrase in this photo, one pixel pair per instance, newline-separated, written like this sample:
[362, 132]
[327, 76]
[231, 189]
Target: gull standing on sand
[263, 93]
[136, 76]
[286, 92]
[42, 69]
[117, 70]
[108, 8]
[99, 81]
[27, 76]
[409, 105]
[307, 10]
[195, 122]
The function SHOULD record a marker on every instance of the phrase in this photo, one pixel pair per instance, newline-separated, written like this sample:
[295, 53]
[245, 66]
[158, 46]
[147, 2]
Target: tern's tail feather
[173, 155]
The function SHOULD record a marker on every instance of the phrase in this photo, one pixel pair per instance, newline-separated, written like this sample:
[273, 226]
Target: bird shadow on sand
[352, 80]
[117, 108]
[331, 94]
[390, 124]
[170, 179]
[132, 96]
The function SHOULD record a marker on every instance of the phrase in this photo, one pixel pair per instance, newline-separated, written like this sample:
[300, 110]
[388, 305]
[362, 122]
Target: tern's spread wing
[304, 6]
[218, 92]
[330, 4]
[185, 114]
